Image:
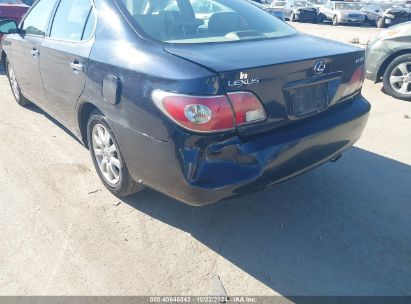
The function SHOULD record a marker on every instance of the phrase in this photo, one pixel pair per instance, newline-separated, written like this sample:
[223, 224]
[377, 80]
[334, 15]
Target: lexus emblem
[319, 67]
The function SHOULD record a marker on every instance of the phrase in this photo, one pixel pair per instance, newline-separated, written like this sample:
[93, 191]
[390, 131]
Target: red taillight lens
[210, 113]
[247, 108]
[197, 113]
[356, 82]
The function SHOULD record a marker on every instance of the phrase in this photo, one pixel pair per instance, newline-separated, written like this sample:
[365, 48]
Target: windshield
[203, 21]
[348, 6]
[279, 4]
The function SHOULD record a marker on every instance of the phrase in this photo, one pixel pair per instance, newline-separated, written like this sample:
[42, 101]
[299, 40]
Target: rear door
[64, 57]
[26, 50]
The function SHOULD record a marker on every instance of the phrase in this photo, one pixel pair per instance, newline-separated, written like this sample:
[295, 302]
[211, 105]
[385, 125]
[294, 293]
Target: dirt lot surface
[342, 229]
[360, 36]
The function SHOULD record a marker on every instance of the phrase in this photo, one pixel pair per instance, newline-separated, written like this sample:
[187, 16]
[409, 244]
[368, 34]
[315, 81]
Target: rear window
[204, 21]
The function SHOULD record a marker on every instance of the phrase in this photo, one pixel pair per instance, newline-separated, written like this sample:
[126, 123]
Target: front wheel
[335, 21]
[397, 78]
[292, 18]
[14, 85]
[107, 157]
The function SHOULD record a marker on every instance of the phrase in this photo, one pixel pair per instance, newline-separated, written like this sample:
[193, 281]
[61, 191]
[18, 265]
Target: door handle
[35, 52]
[77, 66]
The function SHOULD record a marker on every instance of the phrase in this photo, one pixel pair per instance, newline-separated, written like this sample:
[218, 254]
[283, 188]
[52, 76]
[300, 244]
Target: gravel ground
[342, 229]
[359, 36]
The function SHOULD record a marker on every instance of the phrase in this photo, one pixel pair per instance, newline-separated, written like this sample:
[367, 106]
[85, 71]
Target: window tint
[70, 19]
[37, 20]
[202, 21]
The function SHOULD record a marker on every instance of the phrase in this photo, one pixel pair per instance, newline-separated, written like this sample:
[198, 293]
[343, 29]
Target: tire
[14, 86]
[292, 17]
[380, 23]
[397, 78]
[335, 20]
[123, 184]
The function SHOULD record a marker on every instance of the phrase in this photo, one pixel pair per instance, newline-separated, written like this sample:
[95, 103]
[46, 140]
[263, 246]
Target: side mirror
[8, 27]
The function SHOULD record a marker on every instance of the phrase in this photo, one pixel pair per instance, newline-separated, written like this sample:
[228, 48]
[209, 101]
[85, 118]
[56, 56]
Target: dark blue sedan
[199, 99]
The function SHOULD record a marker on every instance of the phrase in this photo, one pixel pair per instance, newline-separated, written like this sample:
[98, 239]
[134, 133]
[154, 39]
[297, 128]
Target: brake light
[356, 82]
[247, 108]
[197, 113]
[210, 114]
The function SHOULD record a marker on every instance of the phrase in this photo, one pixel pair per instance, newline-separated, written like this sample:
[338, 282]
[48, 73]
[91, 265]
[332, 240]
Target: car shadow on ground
[32, 107]
[342, 229]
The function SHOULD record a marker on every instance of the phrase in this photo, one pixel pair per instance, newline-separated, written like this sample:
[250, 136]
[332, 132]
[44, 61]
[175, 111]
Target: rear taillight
[208, 114]
[247, 108]
[197, 113]
[356, 82]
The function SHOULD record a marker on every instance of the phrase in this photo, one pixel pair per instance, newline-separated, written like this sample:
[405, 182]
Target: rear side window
[70, 19]
[37, 19]
[202, 21]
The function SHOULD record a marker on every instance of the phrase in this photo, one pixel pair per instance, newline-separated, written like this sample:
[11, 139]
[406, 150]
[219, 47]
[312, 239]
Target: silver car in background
[389, 60]
[342, 12]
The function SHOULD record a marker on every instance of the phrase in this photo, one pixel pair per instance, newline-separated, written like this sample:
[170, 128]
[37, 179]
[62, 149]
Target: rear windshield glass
[202, 21]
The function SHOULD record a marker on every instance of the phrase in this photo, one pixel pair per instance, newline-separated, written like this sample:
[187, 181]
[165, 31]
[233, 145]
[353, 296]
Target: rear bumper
[305, 17]
[201, 170]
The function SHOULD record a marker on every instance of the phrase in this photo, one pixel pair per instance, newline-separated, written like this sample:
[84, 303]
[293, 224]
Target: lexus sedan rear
[201, 100]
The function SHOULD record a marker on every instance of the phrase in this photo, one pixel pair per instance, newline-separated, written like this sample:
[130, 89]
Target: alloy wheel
[400, 78]
[13, 81]
[106, 154]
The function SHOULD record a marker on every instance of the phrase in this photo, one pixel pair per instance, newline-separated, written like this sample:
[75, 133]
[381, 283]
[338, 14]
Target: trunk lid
[280, 72]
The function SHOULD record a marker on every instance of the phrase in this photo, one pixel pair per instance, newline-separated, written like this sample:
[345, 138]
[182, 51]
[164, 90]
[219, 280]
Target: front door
[64, 57]
[26, 51]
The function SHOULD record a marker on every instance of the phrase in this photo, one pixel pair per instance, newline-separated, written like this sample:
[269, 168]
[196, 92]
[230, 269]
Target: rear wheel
[397, 78]
[335, 20]
[14, 85]
[380, 23]
[107, 157]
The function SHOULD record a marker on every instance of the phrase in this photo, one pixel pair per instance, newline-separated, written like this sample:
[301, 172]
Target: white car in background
[342, 12]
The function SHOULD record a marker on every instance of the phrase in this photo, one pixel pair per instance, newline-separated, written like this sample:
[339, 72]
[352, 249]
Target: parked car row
[379, 14]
